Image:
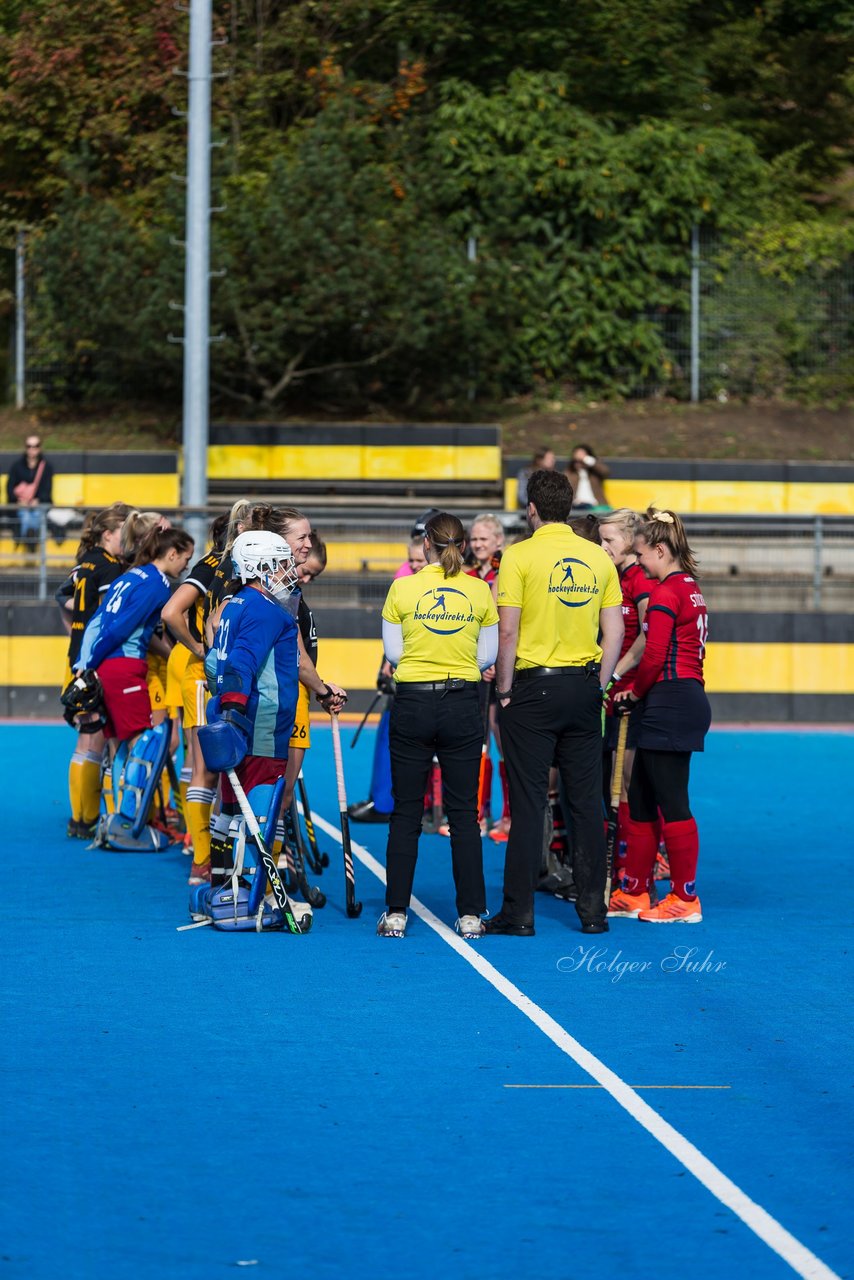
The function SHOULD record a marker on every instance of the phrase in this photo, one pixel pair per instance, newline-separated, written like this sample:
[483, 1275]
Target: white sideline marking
[760, 1222]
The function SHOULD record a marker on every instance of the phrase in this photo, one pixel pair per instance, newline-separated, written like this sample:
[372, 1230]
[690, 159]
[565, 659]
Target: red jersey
[636, 587]
[677, 627]
[491, 573]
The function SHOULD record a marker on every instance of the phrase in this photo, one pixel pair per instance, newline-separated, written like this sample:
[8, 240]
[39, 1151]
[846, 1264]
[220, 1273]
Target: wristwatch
[501, 694]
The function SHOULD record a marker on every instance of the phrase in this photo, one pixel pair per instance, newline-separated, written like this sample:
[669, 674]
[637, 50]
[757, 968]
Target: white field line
[760, 1222]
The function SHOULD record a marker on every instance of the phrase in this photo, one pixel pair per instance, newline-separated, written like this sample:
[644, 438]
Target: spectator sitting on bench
[29, 487]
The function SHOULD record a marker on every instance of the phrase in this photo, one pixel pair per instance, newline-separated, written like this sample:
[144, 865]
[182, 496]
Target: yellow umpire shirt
[560, 582]
[440, 619]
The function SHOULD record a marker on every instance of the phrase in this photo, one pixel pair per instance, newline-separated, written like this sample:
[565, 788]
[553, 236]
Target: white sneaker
[470, 927]
[391, 924]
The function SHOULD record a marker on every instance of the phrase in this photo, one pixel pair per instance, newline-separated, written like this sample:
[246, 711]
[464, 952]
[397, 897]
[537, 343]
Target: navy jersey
[201, 576]
[257, 666]
[125, 621]
[91, 578]
[307, 627]
[677, 628]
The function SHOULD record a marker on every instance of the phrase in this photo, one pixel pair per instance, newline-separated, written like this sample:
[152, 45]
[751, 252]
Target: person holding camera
[587, 476]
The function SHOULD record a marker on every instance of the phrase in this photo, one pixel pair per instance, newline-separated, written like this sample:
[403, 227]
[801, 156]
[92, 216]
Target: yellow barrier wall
[730, 667]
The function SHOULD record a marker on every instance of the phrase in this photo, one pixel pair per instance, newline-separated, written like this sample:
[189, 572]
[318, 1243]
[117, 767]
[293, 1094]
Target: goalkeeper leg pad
[127, 830]
[242, 904]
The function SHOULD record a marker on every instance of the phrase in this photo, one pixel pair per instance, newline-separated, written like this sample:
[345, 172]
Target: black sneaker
[509, 925]
[595, 926]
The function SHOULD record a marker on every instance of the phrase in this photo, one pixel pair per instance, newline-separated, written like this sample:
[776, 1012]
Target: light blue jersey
[125, 621]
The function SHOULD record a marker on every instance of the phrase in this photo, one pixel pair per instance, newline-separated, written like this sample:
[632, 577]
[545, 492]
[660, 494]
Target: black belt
[534, 673]
[437, 686]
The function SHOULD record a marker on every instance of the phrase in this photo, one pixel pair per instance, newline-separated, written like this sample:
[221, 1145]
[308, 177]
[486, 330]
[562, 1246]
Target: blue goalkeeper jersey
[257, 659]
[125, 621]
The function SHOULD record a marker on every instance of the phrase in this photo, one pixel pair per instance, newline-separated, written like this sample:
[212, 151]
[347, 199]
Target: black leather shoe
[596, 926]
[508, 925]
[366, 811]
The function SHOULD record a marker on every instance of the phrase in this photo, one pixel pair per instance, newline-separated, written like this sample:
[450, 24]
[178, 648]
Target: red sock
[622, 841]
[683, 849]
[505, 790]
[486, 791]
[641, 848]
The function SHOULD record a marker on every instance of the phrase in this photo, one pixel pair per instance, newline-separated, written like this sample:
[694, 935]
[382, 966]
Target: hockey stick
[364, 719]
[354, 908]
[316, 860]
[485, 776]
[616, 788]
[314, 897]
[267, 861]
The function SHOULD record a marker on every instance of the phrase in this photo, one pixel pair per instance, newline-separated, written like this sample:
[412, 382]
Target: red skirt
[253, 771]
[125, 697]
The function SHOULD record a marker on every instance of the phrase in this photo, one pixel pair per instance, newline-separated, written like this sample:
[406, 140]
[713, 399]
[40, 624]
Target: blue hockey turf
[177, 1104]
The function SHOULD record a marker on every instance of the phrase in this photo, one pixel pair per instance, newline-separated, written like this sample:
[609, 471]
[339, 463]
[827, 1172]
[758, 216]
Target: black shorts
[612, 728]
[676, 716]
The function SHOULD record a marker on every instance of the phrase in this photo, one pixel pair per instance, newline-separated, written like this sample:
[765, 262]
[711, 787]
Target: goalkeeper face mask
[283, 581]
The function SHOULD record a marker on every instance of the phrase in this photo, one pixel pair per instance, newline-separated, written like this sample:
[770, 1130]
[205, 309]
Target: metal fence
[756, 333]
[759, 563]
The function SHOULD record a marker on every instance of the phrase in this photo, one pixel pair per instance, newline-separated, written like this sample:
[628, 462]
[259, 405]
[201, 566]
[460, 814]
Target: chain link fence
[759, 334]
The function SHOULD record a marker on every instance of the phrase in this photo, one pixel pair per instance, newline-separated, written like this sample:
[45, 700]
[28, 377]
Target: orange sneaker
[500, 830]
[629, 905]
[674, 910]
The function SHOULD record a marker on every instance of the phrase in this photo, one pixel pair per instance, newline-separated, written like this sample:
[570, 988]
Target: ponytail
[630, 523]
[240, 513]
[97, 523]
[446, 534]
[664, 528]
[276, 519]
[135, 528]
[158, 541]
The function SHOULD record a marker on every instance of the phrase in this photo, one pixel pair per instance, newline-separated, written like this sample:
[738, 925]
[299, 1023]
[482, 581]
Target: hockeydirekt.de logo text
[444, 610]
[573, 582]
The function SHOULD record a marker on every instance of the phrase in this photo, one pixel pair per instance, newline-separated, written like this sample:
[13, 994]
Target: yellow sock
[75, 785]
[198, 817]
[183, 784]
[90, 794]
[166, 788]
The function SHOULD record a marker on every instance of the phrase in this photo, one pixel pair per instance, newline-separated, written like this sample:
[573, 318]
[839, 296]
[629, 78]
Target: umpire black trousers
[554, 719]
[447, 724]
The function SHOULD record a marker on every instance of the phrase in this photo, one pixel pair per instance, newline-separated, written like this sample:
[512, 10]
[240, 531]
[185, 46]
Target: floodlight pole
[197, 270]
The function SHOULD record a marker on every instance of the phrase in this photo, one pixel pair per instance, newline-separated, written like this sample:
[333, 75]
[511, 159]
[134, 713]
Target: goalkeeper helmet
[267, 558]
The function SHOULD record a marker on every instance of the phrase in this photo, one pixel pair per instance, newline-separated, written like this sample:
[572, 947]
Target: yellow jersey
[560, 582]
[441, 620]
